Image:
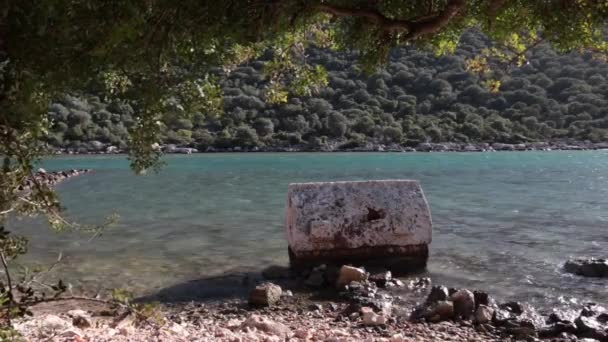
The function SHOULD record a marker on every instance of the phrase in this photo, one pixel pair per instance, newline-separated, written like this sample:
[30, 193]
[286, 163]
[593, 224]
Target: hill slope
[416, 98]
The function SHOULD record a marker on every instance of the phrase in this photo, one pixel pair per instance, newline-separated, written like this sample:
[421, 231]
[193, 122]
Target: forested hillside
[416, 98]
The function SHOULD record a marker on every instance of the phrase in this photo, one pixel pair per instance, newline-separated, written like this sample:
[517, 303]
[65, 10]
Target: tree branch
[4, 212]
[414, 27]
[371, 15]
[494, 6]
[437, 22]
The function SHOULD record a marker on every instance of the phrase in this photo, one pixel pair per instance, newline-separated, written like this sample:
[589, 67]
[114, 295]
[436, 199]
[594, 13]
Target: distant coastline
[337, 147]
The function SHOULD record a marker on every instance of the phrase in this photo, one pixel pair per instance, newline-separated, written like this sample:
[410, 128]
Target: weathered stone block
[357, 221]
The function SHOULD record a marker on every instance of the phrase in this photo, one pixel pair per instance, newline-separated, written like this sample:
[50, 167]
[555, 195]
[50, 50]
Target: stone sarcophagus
[383, 223]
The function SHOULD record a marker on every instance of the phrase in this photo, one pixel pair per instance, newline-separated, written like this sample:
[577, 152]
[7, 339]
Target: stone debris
[315, 280]
[372, 318]
[464, 303]
[265, 294]
[438, 293]
[267, 325]
[483, 314]
[349, 274]
[80, 318]
[362, 311]
[441, 311]
[382, 279]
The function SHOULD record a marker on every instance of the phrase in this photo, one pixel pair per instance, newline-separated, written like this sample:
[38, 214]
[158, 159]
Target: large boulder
[363, 223]
[591, 267]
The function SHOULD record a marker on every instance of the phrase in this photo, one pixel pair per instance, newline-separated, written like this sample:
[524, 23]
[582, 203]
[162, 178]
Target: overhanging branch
[413, 28]
[435, 23]
[371, 15]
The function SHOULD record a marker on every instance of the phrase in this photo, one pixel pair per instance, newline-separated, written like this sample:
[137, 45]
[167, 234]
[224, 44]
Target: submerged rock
[591, 267]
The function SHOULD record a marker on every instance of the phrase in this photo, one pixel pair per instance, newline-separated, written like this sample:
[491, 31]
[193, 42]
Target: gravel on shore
[234, 321]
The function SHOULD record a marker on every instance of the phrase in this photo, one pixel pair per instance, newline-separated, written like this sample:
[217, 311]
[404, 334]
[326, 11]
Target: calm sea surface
[503, 222]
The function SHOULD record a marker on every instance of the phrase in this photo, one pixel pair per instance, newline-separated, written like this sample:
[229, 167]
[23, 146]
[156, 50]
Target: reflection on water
[503, 222]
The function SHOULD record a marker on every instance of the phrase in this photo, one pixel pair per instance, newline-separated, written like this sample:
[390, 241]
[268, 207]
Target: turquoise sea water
[503, 222]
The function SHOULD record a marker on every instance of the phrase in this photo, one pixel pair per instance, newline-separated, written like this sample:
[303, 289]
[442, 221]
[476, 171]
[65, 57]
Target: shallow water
[503, 222]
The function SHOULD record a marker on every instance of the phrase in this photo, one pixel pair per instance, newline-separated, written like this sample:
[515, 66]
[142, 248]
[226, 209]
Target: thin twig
[36, 277]
[89, 299]
[7, 211]
[9, 306]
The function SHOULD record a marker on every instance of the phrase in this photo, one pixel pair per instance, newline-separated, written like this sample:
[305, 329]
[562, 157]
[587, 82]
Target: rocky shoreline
[565, 145]
[50, 178]
[326, 303]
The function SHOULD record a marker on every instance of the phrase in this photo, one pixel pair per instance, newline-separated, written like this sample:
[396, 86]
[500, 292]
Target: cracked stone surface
[356, 214]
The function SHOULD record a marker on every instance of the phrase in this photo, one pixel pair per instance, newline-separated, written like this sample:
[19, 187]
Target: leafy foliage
[153, 63]
[415, 97]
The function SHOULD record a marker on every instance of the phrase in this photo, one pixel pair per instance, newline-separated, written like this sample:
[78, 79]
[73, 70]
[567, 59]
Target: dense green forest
[415, 98]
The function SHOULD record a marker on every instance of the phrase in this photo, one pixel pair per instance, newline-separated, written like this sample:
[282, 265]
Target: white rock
[397, 338]
[371, 318]
[349, 274]
[268, 326]
[366, 310]
[72, 333]
[483, 314]
[233, 324]
[78, 313]
[303, 333]
[178, 329]
[265, 294]
[223, 332]
[52, 322]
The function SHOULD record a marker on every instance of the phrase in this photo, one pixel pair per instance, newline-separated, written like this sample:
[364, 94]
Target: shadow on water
[231, 285]
[237, 283]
